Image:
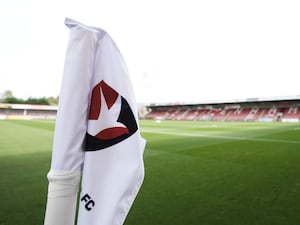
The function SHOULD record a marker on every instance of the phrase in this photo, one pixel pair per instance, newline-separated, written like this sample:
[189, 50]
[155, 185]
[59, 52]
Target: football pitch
[196, 173]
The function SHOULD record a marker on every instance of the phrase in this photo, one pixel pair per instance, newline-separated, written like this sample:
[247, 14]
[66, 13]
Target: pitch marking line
[219, 136]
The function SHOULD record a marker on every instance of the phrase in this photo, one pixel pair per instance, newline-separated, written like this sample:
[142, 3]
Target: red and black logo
[111, 119]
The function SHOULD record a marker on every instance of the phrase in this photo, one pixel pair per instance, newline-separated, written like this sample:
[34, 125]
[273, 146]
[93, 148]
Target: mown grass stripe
[220, 136]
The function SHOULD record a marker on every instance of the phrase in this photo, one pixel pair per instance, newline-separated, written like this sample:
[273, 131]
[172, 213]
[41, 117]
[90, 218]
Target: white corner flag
[96, 135]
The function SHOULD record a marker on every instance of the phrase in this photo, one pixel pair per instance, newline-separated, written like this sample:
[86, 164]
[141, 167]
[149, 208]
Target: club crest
[110, 119]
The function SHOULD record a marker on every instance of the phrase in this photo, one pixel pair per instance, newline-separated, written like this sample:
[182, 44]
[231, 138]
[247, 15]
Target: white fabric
[111, 176]
[63, 183]
[71, 120]
[62, 197]
[117, 176]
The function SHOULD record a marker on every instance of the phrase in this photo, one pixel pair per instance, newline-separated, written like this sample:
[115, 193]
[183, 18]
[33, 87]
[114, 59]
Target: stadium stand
[24, 111]
[290, 114]
[259, 110]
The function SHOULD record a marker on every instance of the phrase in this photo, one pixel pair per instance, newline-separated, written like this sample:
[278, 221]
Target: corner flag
[96, 135]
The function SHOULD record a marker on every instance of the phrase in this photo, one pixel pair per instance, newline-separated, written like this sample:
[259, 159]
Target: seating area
[260, 112]
[290, 114]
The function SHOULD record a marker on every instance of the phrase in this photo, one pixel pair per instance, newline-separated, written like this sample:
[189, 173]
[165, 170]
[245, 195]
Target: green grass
[25, 154]
[208, 173]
